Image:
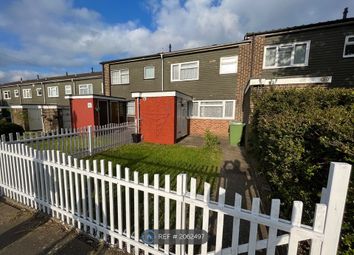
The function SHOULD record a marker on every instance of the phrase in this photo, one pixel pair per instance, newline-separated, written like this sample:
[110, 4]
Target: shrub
[295, 135]
[210, 140]
[8, 127]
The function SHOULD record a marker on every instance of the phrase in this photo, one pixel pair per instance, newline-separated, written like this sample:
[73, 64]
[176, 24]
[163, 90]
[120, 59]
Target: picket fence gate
[78, 142]
[97, 199]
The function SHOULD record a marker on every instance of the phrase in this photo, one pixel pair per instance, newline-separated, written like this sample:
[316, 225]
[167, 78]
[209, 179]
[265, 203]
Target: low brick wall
[198, 127]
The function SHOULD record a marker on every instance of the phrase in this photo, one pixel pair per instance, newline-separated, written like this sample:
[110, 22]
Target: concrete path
[27, 232]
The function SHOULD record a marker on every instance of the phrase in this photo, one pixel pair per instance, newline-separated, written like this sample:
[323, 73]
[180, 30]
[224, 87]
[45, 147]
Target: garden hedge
[8, 127]
[295, 134]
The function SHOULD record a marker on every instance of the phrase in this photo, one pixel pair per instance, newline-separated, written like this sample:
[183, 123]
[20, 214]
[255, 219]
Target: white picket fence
[80, 142]
[96, 198]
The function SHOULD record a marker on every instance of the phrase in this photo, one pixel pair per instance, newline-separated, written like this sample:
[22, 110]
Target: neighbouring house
[220, 78]
[41, 104]
[217, 81]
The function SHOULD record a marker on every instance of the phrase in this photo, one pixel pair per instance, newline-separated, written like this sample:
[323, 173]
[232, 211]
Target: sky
[51, 37]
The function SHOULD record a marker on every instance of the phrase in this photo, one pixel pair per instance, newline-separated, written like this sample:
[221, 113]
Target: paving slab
[24, 231]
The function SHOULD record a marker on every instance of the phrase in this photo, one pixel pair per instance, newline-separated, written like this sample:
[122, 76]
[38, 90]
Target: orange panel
[158, 119]
[81, 114]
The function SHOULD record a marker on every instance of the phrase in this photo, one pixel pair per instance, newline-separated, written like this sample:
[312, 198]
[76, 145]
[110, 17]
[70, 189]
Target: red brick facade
[198, 127]
[106, 80]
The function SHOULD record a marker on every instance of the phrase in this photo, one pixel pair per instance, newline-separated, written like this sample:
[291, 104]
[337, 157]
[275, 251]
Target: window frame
[16, 93]
[346, 42]
[283, 45]
[216, 118]
[50, 89]
[8, 93]
[149, 78]
[120, 76]
[179, 70]
[133, 102]
[41, 92]
[66, 89]
[25, 95]
[87, 86]
[226, 58]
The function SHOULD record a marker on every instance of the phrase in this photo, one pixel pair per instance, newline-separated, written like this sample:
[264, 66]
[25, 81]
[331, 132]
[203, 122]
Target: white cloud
[55, 34]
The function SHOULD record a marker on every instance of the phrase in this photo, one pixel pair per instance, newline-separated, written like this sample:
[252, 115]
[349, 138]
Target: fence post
[90, 139]
[334, 198]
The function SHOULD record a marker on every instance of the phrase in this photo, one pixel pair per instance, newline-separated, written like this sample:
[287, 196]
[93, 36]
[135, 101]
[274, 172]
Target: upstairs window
[348, 51]
[120, 76]
[27, 93]
[53, 91]
[187, 71]
[228, 65]
[85, 89]
[16, 93]
[149, 72]
[68, 90]
[212, 109]
[39, 92]
[7, 94]
[286, 55]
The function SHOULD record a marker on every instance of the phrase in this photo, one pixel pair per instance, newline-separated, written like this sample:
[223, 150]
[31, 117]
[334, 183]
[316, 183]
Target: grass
[200, 163]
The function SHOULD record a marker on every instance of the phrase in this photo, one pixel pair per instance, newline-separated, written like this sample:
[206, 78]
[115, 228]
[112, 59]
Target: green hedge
[295, 135]
[8, 127]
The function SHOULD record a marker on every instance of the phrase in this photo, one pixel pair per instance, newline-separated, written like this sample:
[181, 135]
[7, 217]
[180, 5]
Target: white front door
[35, 119]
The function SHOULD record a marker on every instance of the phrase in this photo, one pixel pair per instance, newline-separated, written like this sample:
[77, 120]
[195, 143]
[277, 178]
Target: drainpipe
[44, 94]
[20, 93]
[138, 115]
[162, 83]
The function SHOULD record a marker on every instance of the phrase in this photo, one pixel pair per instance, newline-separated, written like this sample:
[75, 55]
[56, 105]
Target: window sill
[281, 67]
[184, 80]
[208, 118]
[120, 84]
[348, 56]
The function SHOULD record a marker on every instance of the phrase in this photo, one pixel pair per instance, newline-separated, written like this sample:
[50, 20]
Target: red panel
[157, 119]
[81, 114]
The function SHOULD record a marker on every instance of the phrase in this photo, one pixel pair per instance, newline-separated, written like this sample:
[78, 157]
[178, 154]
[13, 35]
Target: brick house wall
[198, 127]
[244, 73]
[20, 117]
[50, 119]
[106, 80]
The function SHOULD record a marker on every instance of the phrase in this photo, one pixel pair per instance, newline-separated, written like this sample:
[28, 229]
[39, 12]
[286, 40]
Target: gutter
[162, 70]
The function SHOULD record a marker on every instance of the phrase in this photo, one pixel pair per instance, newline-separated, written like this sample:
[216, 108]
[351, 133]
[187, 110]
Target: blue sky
[51, 37]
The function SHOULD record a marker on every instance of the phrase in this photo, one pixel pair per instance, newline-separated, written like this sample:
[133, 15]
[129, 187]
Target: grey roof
[306, 26]
[56, 78]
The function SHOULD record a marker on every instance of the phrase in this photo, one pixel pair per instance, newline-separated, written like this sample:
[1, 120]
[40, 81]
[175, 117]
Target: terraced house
[220, 78]
[213, 85]
[41, 104]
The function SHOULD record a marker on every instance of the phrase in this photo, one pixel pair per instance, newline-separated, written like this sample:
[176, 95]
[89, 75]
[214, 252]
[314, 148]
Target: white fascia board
[29, 107]
[95, 97]
[297, 80]
[161, 94]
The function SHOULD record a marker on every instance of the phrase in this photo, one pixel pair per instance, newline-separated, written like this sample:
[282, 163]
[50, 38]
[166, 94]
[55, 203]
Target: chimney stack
[37, 76]
[66, 73]
[345, 13]
[169, 48]
[91, 69]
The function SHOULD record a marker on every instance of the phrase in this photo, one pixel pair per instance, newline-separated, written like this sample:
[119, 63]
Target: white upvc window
[85, 89]
[149, 72]
[26, 93]
[212, 109]
[16, 93]
[39, 92]
[131, 108]
[228, 64]
[187, 71]
[348, 51]
[120, 76]
[53, 91]
[6, 94]
[68, 90]
[286, 55]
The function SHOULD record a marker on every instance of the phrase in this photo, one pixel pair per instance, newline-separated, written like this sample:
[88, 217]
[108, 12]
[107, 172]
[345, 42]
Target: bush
[210, 140]
[295, 135]
[8, 127]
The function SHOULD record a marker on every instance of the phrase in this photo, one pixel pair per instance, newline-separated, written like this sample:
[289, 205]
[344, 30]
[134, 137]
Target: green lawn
[201, 163]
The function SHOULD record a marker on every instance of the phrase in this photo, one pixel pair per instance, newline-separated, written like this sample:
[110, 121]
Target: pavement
[23, 231]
